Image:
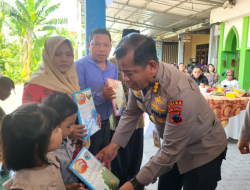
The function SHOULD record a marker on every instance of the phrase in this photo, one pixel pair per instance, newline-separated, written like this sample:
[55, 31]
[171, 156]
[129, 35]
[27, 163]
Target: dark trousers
[202, 178]
[128, 161]
[101, 138]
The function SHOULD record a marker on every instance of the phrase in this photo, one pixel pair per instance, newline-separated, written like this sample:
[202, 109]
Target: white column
[79, 28]
[180, 49]
[211, 46]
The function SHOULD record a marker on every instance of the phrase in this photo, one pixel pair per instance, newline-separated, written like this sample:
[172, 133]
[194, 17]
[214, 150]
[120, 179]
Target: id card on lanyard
[156, 137]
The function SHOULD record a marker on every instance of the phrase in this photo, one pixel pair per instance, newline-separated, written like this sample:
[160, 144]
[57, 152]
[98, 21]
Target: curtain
[170, 53]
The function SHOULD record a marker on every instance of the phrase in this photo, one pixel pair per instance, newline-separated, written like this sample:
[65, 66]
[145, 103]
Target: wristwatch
[136, 184]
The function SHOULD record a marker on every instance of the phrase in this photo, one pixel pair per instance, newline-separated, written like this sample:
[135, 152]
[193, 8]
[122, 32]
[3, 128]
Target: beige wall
[190, 48]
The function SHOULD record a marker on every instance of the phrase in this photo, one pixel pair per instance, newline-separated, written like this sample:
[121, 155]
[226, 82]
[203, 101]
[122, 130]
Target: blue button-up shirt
[91, 76]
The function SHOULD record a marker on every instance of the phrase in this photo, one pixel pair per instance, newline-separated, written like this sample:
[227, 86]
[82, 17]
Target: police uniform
[192, 134]
[245, 128]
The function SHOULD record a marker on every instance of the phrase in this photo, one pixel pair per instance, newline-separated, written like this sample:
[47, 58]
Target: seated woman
[211, 75]
[198, 76]
[230, 81]
[57, 72]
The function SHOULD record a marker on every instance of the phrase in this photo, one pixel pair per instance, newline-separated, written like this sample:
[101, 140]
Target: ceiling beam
[205, 11]
[161, 14]
[128, 22]
[119, 12]
[154, 11]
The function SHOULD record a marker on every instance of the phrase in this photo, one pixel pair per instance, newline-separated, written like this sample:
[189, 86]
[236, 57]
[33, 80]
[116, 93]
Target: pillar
[95, 17]
[180, 49]
[79, 30]
[211, 45]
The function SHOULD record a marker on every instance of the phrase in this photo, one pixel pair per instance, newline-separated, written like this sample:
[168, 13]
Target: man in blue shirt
[92, 71]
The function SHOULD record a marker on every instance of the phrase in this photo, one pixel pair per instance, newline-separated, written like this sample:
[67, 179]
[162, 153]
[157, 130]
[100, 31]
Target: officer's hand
[243, 146]
[77, 132]
[127, 186]
[108, 92]
[107, 154]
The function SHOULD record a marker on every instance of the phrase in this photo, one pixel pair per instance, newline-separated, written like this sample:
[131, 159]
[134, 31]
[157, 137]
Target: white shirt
[231, 83]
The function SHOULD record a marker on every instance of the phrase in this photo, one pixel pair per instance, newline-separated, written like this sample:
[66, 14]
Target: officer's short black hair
[62, 103]
[181, 64]
[213, 67]
[98, 31]
[143, 46]
[197, 67]
[190, 69]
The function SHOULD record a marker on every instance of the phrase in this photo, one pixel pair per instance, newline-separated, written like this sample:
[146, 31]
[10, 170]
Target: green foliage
[71, 37]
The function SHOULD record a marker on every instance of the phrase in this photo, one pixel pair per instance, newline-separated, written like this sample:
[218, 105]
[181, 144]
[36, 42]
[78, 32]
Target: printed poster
[87, 113]
[119, 104]
[92, 173]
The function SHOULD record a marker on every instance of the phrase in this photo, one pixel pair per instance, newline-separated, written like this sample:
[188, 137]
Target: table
[226, 108]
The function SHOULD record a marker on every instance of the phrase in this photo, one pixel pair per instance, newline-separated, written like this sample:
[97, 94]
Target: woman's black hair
[143, 46]
[25, 136]
[62, 103]
[208, 68]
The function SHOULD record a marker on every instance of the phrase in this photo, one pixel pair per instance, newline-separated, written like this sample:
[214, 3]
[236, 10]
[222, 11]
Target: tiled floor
[235, 169]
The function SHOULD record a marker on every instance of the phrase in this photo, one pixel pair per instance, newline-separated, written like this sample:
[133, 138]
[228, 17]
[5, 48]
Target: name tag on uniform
[156, 137]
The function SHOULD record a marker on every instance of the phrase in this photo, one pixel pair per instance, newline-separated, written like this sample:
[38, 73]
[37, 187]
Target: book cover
[119, 103]
[90, 170]
[87, 114]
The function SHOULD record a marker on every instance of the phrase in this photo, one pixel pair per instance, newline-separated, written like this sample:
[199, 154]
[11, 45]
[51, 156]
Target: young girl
[28, 136]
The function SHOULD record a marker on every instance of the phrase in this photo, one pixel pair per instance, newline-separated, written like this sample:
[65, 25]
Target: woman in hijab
[57, 73]
[230, 81]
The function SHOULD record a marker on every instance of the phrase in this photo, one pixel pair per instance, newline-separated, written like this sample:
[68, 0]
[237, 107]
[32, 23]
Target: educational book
[90, 170]
[119, 103]
[87, 114]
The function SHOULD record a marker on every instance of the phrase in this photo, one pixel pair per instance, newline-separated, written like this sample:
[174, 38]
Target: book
[90, 170]
[119, 103]
[87, 114]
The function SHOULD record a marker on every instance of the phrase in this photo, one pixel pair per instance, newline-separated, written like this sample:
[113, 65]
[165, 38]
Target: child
[28, 137]
[67, 110]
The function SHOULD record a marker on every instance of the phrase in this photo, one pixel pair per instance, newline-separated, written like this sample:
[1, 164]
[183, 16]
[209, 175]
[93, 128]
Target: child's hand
[99, 122]
[75, 186]
[77, 132]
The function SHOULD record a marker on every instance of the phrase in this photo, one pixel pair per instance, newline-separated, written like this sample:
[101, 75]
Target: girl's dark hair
[6, 85]
[62, 103]
[143, 46]
[25, 136]
[208, 68]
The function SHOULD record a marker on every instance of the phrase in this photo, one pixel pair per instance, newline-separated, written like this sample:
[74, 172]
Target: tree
[31, 16]
[71, 37]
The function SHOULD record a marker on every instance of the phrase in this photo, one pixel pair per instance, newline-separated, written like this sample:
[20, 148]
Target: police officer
[194, 141]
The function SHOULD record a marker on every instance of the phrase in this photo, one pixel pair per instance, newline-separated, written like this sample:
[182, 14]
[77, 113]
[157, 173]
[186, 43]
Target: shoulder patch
[175, 115]
[175, 103]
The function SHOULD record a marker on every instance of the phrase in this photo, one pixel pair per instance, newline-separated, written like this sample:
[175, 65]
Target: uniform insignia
[175, 115]
[160, 120]
[157, 107]
[137, 93]
[139, 105]
[175, 103]
[152, 118]
[156, 87]
[158, 100]
[158, 114]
